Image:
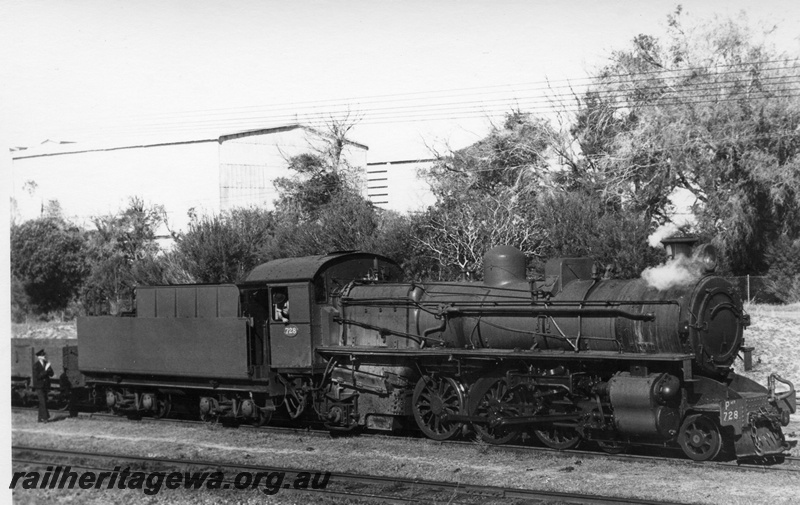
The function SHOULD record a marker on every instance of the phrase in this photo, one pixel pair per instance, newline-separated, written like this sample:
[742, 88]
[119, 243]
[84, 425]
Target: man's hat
[40, 353]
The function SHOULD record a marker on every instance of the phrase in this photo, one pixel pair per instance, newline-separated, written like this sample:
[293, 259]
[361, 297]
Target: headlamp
[707, 254]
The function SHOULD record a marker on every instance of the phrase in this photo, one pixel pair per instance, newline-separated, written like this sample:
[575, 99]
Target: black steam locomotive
[339, 339]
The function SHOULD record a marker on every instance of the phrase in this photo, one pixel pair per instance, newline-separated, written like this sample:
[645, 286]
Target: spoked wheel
[295, 402]
[263, 417]
[558, 437]
[612, 447]
[208, 409]
[113, 401]
[699, 438]
[163, 406]
[494, 399]
[433, 398]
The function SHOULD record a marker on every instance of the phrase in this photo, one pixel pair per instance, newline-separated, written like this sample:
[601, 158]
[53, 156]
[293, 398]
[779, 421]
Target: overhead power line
[464, 103]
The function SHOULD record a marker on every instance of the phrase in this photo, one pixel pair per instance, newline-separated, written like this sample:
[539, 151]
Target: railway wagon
[63, 357]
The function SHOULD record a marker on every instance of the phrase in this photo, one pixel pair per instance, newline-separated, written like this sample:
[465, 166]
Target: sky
[413, 74]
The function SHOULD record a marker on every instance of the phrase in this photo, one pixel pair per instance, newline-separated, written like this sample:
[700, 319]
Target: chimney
[679, 246]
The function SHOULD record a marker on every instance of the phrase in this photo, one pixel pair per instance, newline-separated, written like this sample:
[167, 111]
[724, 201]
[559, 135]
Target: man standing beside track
[42, 371]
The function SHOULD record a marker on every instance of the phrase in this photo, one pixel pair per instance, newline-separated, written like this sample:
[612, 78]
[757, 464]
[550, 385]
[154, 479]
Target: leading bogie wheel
[699, 438]
[434, 398]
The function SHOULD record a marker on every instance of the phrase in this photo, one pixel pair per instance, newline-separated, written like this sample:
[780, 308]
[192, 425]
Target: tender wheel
[492, 398]
[699, 438]
[263, 417]
[295, 402]
[208, 409]
[433, 398]
[113, 401]
[558, 437]
[163, 406]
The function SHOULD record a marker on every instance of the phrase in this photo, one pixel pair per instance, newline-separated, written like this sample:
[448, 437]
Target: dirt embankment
[45, 330]
[774, 333]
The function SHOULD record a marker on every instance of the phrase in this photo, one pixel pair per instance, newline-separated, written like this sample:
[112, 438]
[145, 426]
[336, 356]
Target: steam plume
[680, 271]
[662, 232]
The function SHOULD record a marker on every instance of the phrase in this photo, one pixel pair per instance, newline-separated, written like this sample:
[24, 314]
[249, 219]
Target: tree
[118, 249]
[48, 259]
[579, 223]
[321, 207]
[485, 197]
[224, 248]
[457, 234]
[708, 110]
[513, 155]
[321, 175]
[783, 277]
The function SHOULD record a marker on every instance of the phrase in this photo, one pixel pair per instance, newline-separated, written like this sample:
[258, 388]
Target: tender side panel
[187, 301]
[187, 347]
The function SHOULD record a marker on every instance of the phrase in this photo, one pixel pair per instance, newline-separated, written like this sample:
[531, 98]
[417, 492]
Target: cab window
[280, 305]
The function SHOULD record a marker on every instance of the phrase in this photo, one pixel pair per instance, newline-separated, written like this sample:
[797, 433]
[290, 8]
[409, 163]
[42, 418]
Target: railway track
[337, 484]
[788, 464]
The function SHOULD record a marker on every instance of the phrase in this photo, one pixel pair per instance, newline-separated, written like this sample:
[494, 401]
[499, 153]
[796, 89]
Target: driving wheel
[493, 399]
[435, 397]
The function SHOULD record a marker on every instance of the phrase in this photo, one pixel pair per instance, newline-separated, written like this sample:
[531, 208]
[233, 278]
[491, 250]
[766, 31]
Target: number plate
[290, 331]
[731, 413]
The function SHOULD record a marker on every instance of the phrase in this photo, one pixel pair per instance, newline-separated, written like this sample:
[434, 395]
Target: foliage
[579, 223]
[349, 222]
[321, 209]
[507, 190]
[316, 184]
[784, 271]
[118, 249]
[47, 259]
[512, 156]
[20, 301]
[225, 247]
[321, 175]
[708, 110]
[457, 233]
[485, 197]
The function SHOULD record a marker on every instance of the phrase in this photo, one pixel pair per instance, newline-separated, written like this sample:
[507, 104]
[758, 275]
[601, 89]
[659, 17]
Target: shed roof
[52, 148]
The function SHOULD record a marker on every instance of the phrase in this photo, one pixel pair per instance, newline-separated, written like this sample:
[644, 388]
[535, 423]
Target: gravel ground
[390, 456]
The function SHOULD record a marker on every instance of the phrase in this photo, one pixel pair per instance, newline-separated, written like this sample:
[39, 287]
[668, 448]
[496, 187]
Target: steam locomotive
[576, 356]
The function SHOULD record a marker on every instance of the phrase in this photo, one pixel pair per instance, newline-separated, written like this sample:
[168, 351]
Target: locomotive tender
[338, 338]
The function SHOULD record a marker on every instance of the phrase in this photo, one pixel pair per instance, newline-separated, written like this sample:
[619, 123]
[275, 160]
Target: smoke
[680, 271]
[662, 232]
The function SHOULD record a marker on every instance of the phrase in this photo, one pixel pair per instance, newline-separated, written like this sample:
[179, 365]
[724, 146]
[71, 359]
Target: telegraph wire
[609, 95]
[449, 112]
[348, 108]
[541, 85]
